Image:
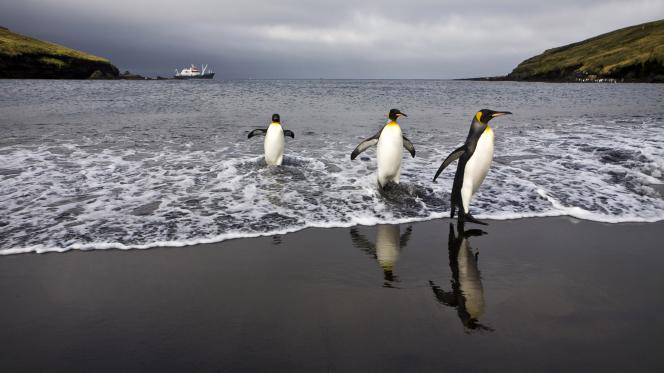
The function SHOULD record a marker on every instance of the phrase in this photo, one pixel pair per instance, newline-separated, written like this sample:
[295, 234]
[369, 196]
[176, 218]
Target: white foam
[580, 213]
[89, 195]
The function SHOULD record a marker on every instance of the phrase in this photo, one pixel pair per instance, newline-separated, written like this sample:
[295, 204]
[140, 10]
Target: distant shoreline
[599, 81]
[136, 77]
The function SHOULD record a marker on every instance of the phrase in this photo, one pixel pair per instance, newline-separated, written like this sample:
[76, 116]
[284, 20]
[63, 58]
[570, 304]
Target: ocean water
[96, 165]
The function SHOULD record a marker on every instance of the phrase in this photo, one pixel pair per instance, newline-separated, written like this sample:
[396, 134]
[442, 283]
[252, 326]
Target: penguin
[475, 157]
[386, 249]
[274, 140]
[467, 294]
[389, 141]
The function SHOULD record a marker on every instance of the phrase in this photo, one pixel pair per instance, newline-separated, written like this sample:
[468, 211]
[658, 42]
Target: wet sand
[541, 295]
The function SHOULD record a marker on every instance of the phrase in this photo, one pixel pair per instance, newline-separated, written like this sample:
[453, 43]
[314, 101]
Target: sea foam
[138, 181]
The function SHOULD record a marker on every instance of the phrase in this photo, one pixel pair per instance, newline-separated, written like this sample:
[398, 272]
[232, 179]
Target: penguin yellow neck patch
[478, 116]
[275, 124]
[392, 123]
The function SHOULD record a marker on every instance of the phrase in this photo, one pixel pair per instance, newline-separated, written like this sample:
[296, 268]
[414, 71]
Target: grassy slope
[35, 54]
[13, 44]
[608, 55]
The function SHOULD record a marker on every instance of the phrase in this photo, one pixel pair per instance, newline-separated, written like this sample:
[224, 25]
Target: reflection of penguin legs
[467, 295]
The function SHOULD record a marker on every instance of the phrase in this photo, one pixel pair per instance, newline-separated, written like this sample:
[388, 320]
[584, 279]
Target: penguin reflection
[386, 249]
[467, 294]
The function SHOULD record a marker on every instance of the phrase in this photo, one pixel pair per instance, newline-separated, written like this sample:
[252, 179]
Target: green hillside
[633, 53]
[24, 57]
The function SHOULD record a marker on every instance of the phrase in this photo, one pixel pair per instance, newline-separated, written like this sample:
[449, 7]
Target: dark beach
[555, 294]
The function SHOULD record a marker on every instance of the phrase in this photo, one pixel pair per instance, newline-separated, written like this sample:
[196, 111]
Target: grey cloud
[335, 39]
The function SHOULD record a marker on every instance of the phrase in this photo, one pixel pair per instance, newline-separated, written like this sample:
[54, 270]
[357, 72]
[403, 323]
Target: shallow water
[94, 165]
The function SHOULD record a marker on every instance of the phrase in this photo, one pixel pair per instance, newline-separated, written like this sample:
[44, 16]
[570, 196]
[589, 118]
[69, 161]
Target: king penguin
[389, 140]
[475, 157]
[274, 140]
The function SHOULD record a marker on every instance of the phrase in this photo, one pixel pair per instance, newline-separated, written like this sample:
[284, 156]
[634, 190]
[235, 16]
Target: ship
[194, 73]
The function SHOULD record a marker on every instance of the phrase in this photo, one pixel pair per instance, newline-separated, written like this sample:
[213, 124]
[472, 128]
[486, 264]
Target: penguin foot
[473, 232]
[470, 219]
[382, 190]
[389, 190]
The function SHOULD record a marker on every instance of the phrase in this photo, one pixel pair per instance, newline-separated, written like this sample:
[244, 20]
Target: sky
[263, 39]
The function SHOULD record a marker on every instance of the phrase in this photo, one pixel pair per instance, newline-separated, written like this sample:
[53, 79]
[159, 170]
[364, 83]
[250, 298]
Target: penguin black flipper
[366, 144]
[403, 240]
[409, 146]
[289, 133]
[362, 242]
[447, 298]
[455, 197]
[257, 132]
[450, 158]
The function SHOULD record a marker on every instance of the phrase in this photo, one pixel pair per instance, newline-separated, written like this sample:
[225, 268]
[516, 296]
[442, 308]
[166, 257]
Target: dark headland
[631, 54]
[23, 57]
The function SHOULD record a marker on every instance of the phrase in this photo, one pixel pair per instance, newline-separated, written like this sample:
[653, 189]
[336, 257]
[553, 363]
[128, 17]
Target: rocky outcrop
[40, 66]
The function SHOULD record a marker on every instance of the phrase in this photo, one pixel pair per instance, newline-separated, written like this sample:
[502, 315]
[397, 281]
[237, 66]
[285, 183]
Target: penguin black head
[275, 118]
[395, 113]
[485, 115]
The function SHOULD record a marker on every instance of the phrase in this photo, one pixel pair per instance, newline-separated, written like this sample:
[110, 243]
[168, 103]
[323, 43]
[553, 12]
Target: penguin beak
[400, 114]
[500, 113]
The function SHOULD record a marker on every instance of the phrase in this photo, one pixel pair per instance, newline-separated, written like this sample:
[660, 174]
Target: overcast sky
[316, 39]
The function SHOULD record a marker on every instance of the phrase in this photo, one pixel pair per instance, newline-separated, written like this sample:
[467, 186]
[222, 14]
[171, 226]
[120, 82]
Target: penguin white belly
[477, 167]
[274, 145]
[387, 245]
[389, 153]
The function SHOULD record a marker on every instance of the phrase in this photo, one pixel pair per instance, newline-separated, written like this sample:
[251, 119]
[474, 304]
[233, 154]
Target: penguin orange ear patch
[478, 116]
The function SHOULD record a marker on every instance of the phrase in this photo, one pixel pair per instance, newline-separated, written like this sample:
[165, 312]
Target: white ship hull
[193, 73]
[201, 76]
